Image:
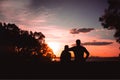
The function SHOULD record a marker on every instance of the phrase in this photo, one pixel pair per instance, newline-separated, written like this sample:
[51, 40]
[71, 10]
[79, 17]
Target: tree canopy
[27, 45]
[111, 18]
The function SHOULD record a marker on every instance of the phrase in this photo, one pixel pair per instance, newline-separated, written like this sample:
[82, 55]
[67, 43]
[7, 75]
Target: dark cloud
[35, 4]
[1, 15]
[95, 43]
[81, 30]
[51, 4]
[24, 15]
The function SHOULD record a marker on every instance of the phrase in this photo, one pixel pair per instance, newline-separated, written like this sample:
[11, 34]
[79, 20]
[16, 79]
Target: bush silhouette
[24, 46]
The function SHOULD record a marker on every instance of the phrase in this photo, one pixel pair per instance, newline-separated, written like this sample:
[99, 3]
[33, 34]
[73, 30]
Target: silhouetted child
[79, 52]
[65, 55]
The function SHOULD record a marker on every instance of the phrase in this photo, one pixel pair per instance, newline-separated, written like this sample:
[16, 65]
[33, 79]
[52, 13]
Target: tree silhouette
[47, 52]
[23, 45]
[111, 18]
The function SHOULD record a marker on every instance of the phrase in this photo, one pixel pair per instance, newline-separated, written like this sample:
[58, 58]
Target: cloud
[95, 43]
[10, 12]
[50, 4]
[20, 13]
[81, 30]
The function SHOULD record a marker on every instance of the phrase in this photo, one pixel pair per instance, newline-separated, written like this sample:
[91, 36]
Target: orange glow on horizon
[99, 51]
[55, 46]
[65, 38]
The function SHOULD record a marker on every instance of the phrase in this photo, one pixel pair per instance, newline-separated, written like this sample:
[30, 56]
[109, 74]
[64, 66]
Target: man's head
[78, 42]
[66, 47]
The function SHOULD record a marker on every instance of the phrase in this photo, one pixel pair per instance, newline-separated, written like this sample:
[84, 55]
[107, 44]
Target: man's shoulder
[82, 47]
[72, 47]
[62, 52]
[75, 47]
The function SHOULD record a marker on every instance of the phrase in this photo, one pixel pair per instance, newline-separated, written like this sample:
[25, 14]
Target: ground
[86, 70]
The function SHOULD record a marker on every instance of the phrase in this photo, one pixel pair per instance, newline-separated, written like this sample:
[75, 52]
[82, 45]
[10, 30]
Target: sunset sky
[62, 22]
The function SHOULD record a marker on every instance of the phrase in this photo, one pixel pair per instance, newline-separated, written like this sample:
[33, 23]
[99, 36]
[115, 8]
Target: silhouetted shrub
[24, 46]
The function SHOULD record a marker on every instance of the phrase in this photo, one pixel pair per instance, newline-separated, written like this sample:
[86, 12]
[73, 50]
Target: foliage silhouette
[111, 18]
[20, 45]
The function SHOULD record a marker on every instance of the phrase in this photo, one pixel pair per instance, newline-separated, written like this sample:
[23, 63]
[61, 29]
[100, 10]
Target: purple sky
[63, 21]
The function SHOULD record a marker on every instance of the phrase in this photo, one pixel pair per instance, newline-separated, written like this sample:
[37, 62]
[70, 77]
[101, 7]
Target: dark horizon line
[98, 57]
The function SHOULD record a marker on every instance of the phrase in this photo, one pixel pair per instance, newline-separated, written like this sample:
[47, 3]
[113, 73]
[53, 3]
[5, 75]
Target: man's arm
[70, 49]
[87, 53]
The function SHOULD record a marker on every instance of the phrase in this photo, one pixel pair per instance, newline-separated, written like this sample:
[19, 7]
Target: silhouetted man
[79, 52]
[65, 55]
